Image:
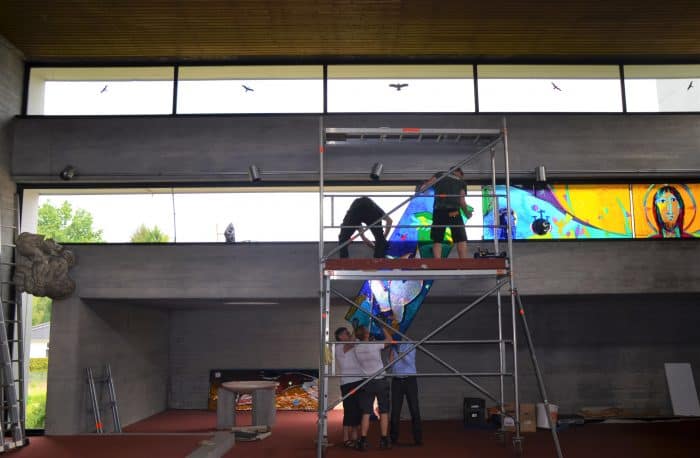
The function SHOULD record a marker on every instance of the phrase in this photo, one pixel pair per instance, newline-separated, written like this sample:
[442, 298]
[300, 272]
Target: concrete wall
[132, 339]
[158, 313]
[220, 148]
[289, 271]
[593, 351]
[232, 338]
[11, 76]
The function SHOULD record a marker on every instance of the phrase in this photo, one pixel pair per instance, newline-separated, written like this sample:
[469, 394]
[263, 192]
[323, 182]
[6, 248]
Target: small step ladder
[108, 384]
[12, 392]
[12, 421]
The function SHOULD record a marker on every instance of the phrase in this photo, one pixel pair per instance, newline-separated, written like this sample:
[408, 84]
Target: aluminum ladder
[12, 392]
[107, 383]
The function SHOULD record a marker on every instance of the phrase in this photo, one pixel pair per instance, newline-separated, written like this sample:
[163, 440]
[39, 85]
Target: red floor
[294, 433]
[108, 446]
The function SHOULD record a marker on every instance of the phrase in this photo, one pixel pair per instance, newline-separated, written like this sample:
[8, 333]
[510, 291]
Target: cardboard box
[528, 420]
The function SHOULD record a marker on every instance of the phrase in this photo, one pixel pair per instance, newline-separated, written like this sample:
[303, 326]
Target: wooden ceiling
[131, 30]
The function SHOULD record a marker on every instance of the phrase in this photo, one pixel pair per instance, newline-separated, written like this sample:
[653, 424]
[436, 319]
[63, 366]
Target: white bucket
[542, 415]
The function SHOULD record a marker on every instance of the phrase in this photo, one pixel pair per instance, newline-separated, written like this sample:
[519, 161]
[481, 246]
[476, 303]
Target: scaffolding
[476, 142]
[12, 343]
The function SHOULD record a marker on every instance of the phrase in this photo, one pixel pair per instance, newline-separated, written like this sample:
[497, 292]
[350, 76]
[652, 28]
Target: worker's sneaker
[362, 444]
[384, 443]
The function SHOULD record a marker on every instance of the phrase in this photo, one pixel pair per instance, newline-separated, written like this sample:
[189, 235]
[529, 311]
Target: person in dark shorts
[364, 210]
[346, 363]
[369, 357]
[449, 199]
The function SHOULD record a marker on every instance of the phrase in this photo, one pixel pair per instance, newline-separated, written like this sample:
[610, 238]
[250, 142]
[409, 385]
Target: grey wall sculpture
[42, 267]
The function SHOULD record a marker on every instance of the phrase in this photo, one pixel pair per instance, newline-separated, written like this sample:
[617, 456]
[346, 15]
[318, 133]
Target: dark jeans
[379, 240]
[408, 387]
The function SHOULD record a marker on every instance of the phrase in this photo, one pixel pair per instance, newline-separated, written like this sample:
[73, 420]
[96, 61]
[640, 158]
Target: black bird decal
[398, 86]
[690, 86]
[555, 87]
[104, 89]
[248, 89]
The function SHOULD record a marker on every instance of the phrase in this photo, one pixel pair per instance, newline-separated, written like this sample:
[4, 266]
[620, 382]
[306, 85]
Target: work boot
[362, 444]
[384, 443]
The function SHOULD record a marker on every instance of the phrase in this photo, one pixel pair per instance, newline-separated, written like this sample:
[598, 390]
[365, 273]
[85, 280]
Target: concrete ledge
[215, 447]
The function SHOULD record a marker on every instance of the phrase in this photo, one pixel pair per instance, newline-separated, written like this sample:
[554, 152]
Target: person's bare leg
[384, 424]
[354, 432]
[462, 250]
[365, 424]
[346, 433]
[437, 250]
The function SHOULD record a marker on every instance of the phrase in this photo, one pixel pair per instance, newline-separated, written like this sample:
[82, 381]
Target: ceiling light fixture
[376, 171]
[254, 173]
[67, 173]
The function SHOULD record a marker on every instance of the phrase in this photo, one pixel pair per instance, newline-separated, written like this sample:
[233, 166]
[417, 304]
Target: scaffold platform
[363, 269]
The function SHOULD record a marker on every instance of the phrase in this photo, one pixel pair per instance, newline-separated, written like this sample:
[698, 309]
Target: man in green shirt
[449, 199]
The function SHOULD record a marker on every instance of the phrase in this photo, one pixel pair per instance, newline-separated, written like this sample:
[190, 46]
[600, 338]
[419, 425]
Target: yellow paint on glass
[605, 207]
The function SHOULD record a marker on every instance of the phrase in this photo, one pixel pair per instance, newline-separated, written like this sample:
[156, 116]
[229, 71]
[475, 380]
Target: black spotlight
[67, 173]
[254, 173]
[376, 171]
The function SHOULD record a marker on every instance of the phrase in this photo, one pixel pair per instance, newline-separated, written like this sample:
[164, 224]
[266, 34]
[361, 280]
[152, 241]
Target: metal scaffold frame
[501, 269]
[12, 343]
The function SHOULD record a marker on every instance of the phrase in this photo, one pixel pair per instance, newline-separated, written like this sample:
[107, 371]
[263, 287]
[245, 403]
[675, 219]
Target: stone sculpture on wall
[42, 267]
[230, 233]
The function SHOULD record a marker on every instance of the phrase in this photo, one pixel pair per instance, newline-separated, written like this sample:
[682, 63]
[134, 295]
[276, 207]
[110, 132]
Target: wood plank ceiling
[83, 30]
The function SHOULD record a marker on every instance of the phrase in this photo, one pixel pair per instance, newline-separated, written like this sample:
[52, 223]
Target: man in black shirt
[449, 199]
[363, 210]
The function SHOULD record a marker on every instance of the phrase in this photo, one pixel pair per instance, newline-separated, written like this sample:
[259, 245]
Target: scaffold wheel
[518, 446]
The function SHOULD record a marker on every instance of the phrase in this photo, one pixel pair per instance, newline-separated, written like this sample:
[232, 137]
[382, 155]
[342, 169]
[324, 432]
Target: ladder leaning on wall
[12, 392]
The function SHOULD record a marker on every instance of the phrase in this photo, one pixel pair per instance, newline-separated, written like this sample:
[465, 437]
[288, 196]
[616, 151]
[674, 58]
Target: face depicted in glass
[668, 208]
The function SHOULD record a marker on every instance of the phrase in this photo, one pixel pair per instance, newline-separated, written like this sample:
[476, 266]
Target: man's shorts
[352, 414]
[448, 217]
[377, 388]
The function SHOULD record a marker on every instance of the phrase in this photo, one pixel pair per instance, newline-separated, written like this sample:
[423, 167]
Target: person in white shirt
[346, 363]
[369, 357]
